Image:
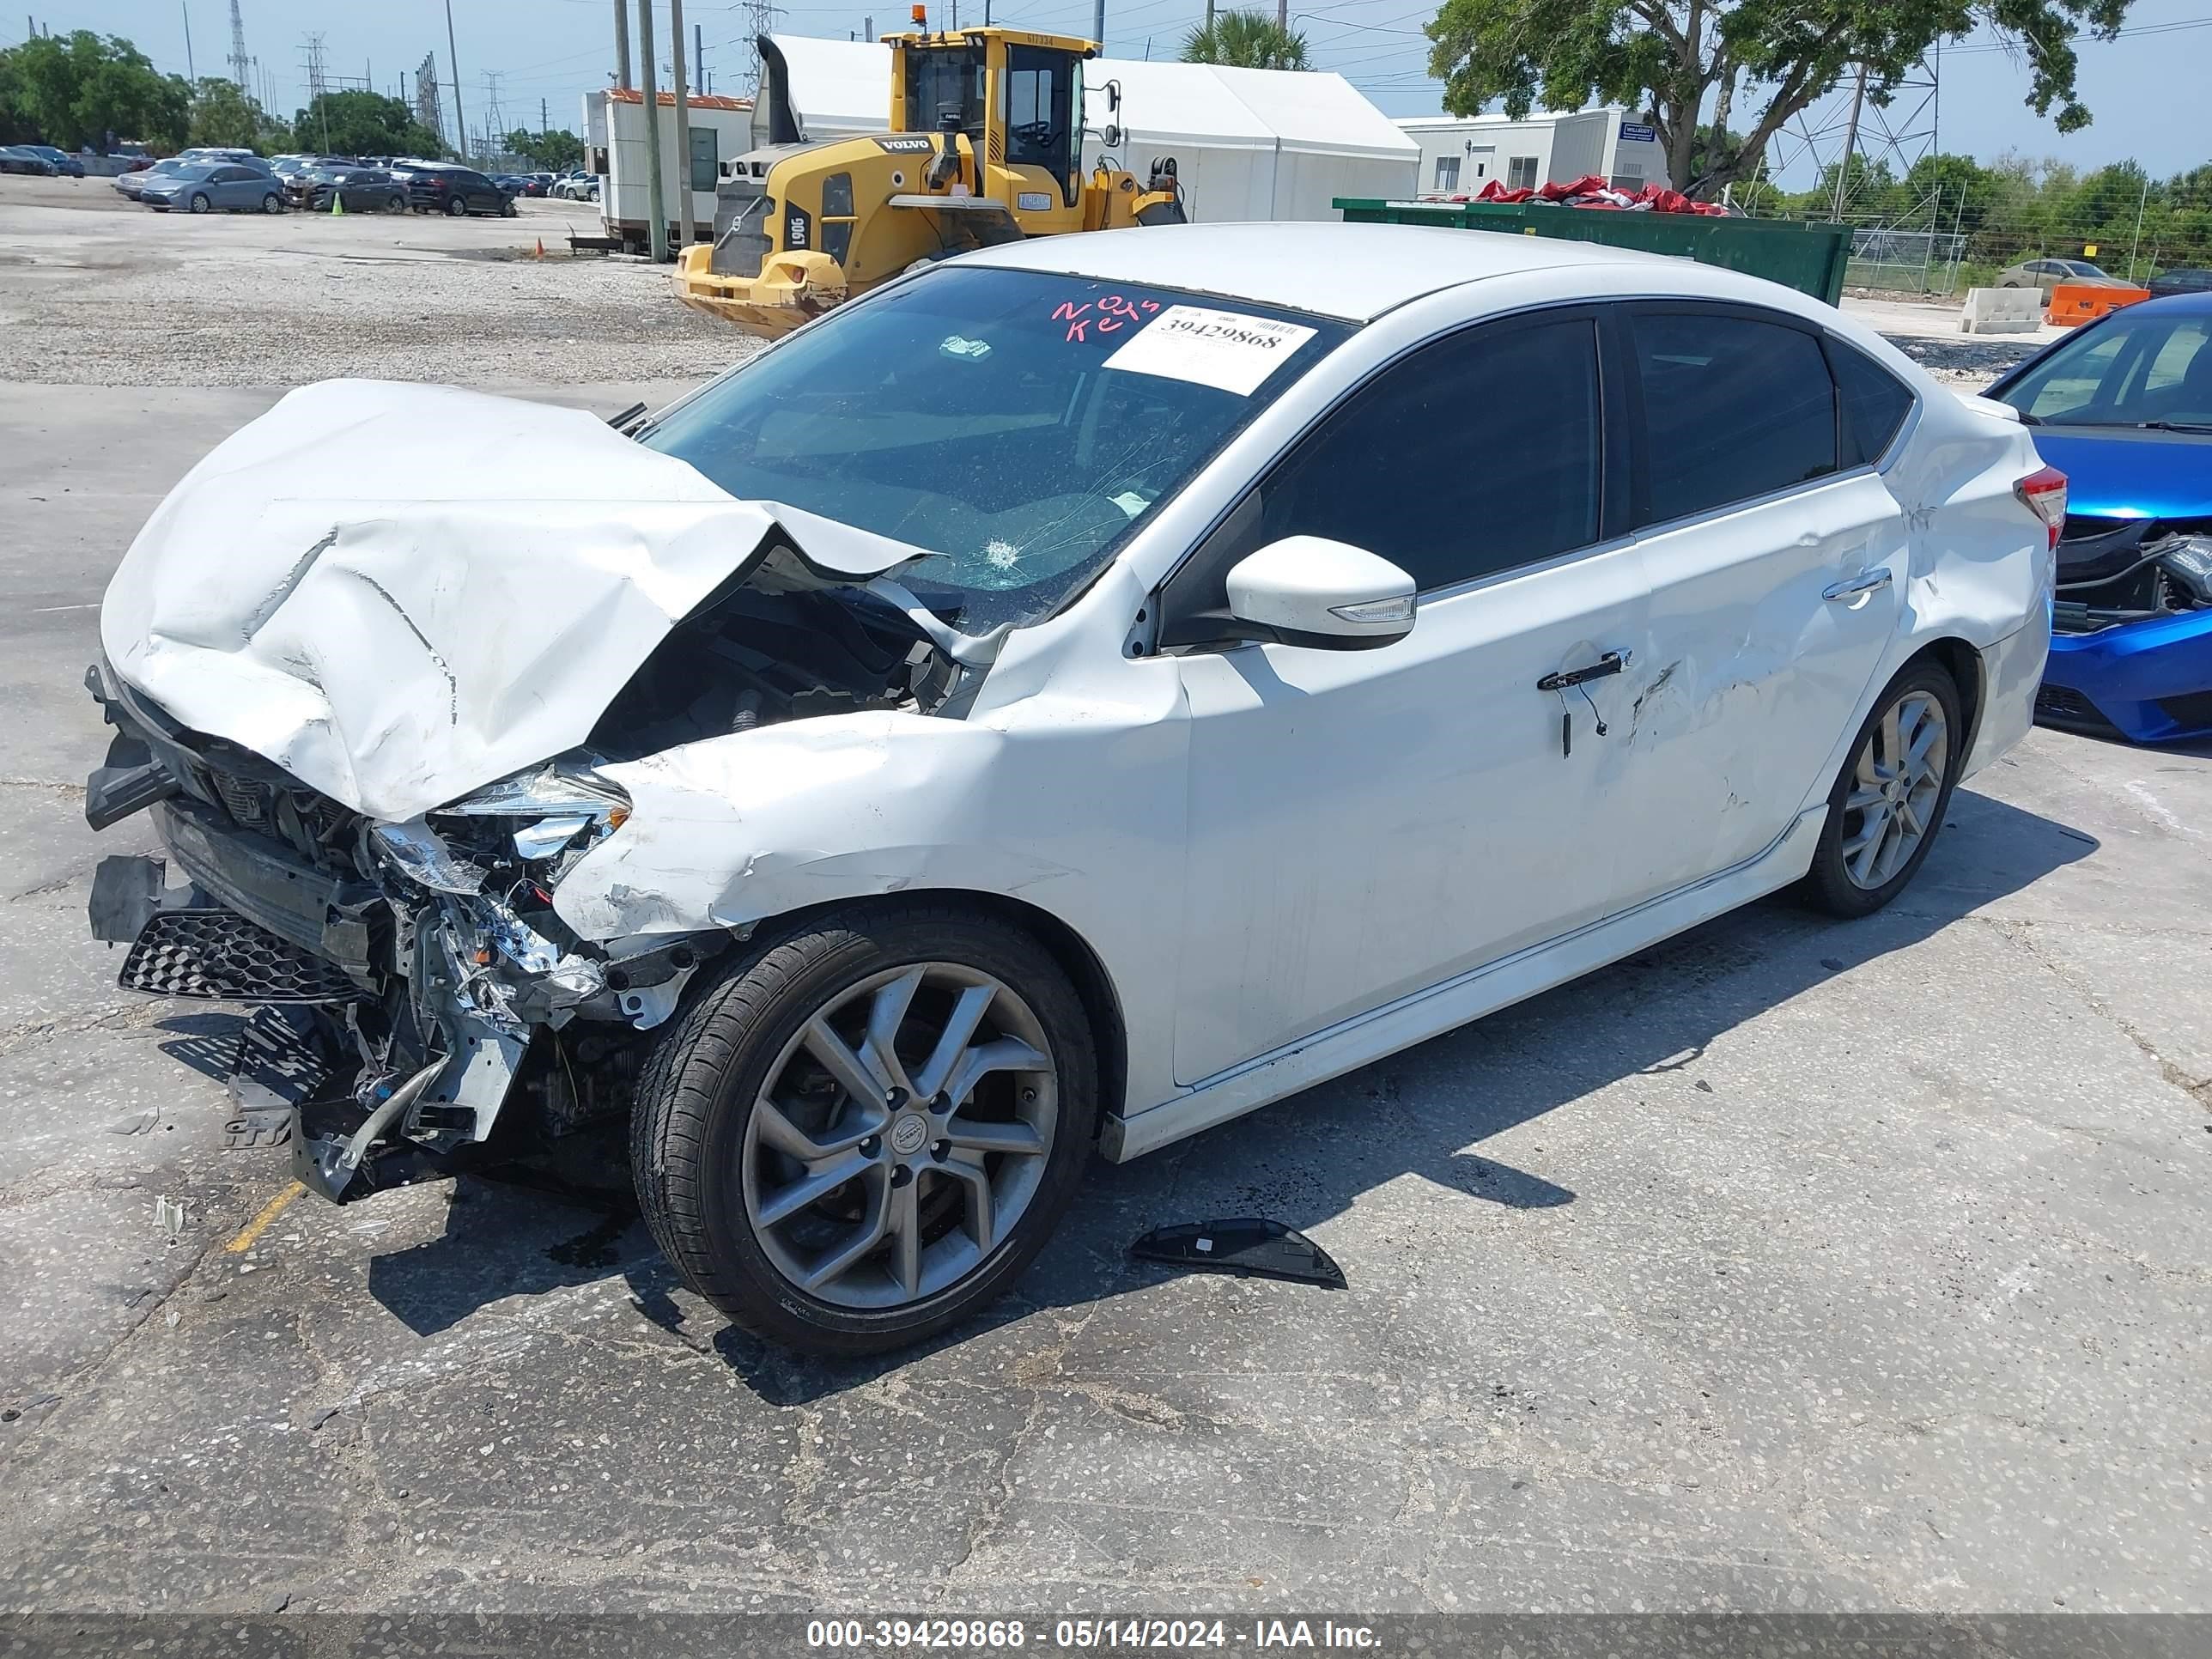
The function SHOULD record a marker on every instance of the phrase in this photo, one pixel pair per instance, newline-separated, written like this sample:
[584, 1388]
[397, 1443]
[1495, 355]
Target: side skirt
[1353, 1043]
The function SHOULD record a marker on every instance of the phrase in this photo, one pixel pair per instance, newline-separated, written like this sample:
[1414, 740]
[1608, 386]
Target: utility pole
[1098, 22]
[698, 60]
[543, 123]
[1850, 144]
[868, 30]
[190, 74]
[683, 179]
[2141, 201]
[656, 198]
[453, 62]
[622, 45]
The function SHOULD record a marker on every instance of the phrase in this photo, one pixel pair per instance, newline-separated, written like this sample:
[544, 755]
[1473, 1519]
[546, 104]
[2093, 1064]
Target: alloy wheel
[900, 1135]
[1895, 787]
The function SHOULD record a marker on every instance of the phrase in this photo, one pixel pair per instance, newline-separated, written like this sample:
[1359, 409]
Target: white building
[1460, 153]
[1247, 144]
[614, 125]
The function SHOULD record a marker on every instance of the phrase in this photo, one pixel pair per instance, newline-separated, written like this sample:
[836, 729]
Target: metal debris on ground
[1252, 1246]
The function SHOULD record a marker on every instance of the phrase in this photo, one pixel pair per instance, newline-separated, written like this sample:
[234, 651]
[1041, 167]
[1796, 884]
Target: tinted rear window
[1875, 404]
[1733, 407]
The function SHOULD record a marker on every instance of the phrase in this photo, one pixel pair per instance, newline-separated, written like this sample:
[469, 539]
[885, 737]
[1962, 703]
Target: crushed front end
[2132, 630]
[414, 989]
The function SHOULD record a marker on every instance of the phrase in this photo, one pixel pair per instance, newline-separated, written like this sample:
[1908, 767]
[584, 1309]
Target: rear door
[1777, 558]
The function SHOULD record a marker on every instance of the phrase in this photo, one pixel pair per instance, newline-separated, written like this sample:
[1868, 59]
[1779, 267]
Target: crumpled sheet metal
[400, 593]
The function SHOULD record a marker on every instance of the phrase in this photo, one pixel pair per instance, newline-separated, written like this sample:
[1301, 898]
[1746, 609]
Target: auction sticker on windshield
[1223, 348]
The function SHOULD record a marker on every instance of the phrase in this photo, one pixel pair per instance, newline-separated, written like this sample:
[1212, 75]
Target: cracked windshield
[1017, 425]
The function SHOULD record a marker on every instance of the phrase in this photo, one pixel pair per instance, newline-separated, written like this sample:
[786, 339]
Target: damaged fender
[736, 828]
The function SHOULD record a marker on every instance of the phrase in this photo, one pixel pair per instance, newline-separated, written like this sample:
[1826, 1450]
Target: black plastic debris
[1251, 1246]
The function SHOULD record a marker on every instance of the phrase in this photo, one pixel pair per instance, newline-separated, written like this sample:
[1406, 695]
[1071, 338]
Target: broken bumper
[402, 1005]
[2150, 682]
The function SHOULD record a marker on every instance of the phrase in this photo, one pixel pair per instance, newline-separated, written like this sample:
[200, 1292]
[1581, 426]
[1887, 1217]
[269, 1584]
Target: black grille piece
[226, 958]
[2057, 705]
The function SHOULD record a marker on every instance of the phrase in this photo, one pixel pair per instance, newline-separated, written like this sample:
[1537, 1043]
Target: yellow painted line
[254, 1228]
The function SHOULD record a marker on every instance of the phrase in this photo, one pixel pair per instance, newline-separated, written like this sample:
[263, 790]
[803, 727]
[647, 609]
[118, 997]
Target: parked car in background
[2123, 407]
[443, 188]
[883, 835]
[129, 184]
[67, 166]
[22, 158]
[2045, 274]
[2184, 281]
[542, 183]
[360, 190]
[577, 186]
[221, 186]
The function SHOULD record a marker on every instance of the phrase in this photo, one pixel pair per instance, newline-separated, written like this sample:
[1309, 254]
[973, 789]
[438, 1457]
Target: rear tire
[395, 204]
[1887, 805]
[455, 207]
[758, 1171]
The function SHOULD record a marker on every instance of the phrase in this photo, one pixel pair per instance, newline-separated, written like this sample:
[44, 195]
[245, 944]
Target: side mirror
[1308, 590]
[1111, 138]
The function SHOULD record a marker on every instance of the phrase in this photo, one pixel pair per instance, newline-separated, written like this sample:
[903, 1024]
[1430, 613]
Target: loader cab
[1016, 99]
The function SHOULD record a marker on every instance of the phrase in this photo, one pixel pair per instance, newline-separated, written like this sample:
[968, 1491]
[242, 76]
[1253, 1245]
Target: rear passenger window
[1874, 400]
[1474, 455]
[1733, 407]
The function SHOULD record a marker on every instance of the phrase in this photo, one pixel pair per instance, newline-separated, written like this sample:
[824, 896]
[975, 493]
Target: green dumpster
[1808, 257]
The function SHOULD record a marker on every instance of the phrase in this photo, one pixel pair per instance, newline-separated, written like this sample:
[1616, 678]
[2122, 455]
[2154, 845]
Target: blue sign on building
[1633, 133]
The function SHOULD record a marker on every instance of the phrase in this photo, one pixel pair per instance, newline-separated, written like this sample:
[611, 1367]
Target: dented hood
[400, 593]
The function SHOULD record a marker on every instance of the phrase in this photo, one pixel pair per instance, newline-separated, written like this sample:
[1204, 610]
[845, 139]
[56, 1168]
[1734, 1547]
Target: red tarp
[1592, 191]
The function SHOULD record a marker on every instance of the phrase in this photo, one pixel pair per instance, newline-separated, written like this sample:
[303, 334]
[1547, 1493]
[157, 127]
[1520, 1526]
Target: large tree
[555, 151]
[85, 88]
[364, 124]
[1245, 39]
[1688, 61]
[224, 116]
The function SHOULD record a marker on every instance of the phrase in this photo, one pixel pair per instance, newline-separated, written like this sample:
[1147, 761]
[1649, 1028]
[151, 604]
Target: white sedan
[1064, 699]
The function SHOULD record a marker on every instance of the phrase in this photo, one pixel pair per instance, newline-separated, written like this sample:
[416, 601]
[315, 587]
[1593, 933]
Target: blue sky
[2139, 87]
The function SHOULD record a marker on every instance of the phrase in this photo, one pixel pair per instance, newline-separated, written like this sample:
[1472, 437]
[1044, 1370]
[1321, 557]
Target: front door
[1366, 823]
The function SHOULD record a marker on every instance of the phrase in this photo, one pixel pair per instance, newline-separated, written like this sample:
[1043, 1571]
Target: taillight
[2043, 492]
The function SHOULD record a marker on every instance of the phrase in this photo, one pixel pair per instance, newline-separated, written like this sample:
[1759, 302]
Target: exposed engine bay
[2116, 571]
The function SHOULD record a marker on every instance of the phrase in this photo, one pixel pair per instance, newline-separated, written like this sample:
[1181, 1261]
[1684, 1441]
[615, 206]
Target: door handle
[1612, 662]
[1867, 581]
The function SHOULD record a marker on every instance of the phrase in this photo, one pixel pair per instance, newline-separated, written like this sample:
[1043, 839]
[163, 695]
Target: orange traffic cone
[541, 247]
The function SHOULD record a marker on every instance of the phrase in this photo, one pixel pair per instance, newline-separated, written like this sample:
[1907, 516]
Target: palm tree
[1246, 39]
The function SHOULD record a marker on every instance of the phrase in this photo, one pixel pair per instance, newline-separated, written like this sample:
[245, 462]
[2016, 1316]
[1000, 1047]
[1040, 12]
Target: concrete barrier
[2001, 311]
[2073, 303]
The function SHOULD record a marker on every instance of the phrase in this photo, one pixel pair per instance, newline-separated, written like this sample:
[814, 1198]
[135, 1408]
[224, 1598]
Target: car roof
[1356, 272]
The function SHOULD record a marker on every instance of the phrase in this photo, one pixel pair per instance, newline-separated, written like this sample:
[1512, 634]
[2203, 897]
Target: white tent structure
[1247, 144]
[1251, 143]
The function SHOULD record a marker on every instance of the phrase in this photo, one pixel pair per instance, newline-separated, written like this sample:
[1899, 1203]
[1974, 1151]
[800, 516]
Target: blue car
[2122, 407]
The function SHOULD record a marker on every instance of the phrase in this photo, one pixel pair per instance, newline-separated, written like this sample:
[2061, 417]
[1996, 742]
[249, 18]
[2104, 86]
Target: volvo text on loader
[985, 145]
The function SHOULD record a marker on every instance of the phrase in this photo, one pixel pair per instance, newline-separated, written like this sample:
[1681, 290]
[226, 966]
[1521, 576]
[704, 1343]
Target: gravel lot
[1792, 1266]
[97, 291]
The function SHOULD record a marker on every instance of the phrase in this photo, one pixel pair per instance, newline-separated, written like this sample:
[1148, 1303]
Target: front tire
[272, 203]
[1889, 804]
[200, 205]
[868, 1129]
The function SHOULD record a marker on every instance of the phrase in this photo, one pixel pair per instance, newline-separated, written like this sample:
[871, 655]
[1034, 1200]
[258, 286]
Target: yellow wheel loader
[985, 146]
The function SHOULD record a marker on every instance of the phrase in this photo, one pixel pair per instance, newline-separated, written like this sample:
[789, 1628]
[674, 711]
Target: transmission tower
[1897, 133]
[241, 66]
[428, 109]
[494, 117]
[760, 18]
[311, 51]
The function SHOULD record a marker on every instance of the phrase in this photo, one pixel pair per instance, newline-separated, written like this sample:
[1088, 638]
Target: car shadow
[1426, 1111]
